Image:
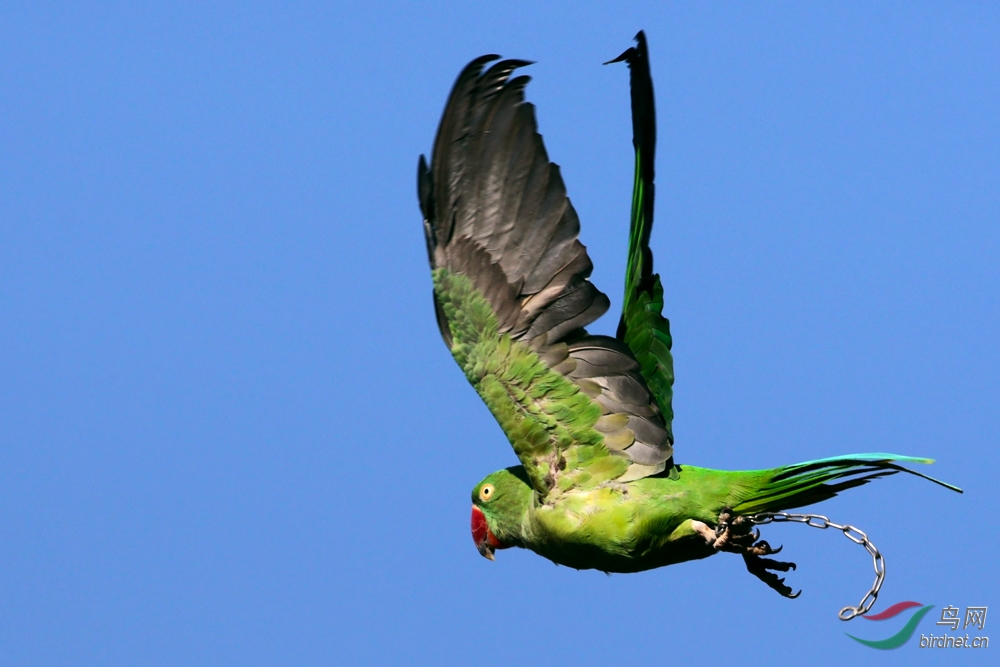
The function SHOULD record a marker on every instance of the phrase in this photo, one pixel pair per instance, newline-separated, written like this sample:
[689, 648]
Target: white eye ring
[486, 492]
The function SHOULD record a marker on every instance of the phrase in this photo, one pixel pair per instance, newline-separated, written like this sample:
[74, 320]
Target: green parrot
[588, 416]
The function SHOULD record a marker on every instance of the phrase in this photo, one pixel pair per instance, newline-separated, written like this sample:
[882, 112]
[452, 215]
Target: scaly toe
[761, 568]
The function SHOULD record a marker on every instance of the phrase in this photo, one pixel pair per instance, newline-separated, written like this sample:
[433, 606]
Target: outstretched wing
[512, 296]
[642, 326]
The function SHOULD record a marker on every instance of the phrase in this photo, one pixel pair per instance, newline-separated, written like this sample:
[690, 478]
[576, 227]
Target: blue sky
[230, 433]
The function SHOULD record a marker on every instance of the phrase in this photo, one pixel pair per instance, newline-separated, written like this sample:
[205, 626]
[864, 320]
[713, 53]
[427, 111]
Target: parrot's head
[499, 505]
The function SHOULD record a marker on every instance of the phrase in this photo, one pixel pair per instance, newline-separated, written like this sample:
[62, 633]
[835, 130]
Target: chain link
[853, 534]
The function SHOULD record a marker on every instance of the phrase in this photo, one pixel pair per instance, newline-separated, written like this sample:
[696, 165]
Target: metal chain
[853, 534]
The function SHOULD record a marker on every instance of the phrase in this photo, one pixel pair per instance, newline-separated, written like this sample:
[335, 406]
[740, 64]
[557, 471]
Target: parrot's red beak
[484, 538]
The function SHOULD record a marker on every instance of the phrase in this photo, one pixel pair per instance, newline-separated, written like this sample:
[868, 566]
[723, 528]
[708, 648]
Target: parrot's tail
[815, 481]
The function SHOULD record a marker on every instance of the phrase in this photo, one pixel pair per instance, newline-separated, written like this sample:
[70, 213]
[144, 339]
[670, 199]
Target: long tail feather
[811, 482]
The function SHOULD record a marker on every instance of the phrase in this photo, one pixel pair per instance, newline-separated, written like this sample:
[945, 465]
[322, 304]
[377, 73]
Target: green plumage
[589, 417]
[548, 420]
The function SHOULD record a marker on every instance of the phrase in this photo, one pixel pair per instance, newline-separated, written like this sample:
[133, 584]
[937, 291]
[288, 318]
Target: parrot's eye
[486, 492]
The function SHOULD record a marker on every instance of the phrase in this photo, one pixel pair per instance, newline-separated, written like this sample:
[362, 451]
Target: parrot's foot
[759, 567]
[736, 534]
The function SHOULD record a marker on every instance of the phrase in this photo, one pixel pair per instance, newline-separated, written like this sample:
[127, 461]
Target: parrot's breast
[618, 528]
